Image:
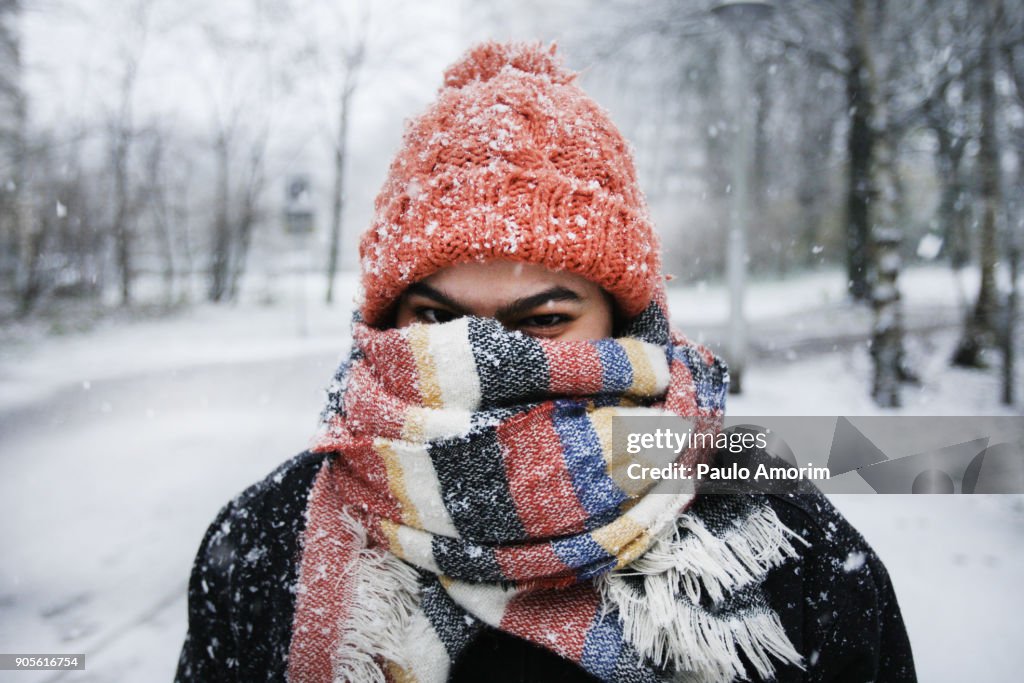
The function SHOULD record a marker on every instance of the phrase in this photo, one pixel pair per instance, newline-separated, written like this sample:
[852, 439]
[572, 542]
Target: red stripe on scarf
[681, 402]
[538, 478]
[370, 408]
[390, 349]
[528, 562]
[321, 601]
[574, 369]
[363, 477]
[555, 619]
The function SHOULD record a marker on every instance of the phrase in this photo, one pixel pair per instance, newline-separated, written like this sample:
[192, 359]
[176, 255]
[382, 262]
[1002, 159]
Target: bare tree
[241, 103]
[155, 198]
[250, 193]
[336, 44]
[1013, 58]
[56, 239]
[12, 143]
[947, 111]
[836, 37]
[236, 212]
[221, 246]
[352, 56]
[981, 324]
[121, 139]
[845, 39]
[817, 117]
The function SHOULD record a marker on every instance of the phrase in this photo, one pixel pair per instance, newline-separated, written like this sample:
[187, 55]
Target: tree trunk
[338, 190]
[162, 222]
[221, 254]
[121, 227]
[122, 139]
[1015, 237]
[248, 218]
[881, 253]
[759, 181]
[860, 147]
[12, 150]
[812, 193]
[180, 217]
[1009, 336]
[762, 104]
[951, 211]
[246, 223]
[32, 280]
[981, 324]
[166, 254]
[716, 175]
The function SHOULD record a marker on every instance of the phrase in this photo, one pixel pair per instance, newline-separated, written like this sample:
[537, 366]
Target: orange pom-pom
[487, 60]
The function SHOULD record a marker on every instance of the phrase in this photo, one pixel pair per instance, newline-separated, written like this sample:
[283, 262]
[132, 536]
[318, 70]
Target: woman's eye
[434, 315]
[546, 320]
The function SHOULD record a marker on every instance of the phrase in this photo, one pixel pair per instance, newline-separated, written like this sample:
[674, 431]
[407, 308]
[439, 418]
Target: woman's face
[525, 297]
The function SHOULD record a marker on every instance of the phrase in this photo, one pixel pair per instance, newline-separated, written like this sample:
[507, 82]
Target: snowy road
[105, 493]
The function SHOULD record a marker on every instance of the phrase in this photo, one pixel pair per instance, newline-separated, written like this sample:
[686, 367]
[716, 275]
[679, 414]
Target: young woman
[456, 518]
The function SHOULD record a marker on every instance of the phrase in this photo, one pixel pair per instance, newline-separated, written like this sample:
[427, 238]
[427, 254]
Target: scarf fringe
[719, 564]
[385, 594]
[668, 628]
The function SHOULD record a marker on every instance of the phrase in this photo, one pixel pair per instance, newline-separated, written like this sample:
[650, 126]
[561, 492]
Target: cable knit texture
[512, 161]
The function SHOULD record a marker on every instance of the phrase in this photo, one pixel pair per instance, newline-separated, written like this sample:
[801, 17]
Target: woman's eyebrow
[527, 303]
[426, 291]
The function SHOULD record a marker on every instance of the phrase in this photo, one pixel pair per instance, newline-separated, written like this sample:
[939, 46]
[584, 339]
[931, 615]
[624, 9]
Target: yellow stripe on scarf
[396, 482]
[419, 342]
[390, 531]
[645, 381]
[634, 549]
[412, 425]
[618, 535]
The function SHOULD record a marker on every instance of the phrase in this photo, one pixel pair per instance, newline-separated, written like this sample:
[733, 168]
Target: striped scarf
[471, 485]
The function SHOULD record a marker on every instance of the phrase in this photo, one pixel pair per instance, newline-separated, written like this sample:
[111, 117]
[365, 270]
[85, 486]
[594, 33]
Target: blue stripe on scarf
[710, 382]
[602, 646]
[616, 371]
[581, 448]
[579, 551]
[594, 570]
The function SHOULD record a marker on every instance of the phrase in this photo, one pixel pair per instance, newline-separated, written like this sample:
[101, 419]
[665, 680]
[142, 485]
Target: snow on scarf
[471, 485]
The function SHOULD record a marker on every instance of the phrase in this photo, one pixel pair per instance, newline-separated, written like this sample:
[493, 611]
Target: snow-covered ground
[118, 446]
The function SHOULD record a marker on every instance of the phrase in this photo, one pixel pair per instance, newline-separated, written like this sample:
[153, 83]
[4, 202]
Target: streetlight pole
[739, 18]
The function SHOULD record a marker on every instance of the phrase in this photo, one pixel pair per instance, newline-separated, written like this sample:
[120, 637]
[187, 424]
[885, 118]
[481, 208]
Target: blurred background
[838, 186]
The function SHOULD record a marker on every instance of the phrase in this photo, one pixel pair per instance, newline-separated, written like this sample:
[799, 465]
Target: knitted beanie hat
[512, 161]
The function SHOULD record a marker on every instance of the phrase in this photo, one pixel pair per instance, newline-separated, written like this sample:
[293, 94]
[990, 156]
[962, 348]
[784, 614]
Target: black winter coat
[241, 598]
